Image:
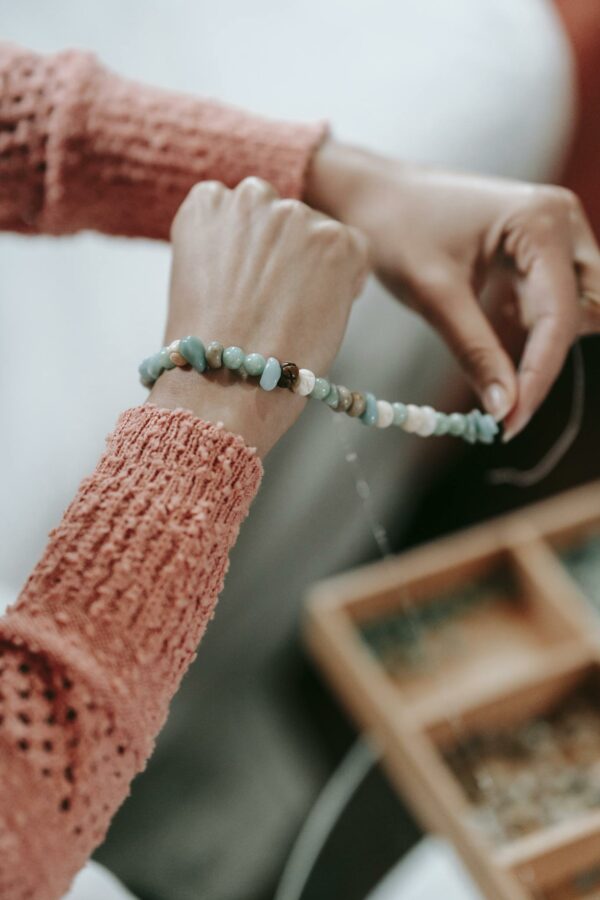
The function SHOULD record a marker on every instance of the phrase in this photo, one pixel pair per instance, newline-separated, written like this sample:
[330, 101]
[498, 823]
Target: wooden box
[474, 664]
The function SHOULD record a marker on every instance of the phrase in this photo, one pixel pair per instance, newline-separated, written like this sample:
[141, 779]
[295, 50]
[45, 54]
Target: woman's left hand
[435, 238]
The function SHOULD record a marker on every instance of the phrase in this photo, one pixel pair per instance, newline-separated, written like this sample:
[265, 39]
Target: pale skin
[266, 274]
[435, 239]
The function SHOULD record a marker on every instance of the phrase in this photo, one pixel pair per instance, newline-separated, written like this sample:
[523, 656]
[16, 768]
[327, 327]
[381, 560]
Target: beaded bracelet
[422, 420]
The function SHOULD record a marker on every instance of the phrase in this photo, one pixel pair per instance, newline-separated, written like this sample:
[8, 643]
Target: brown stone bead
[289, 375]
[344, 399]
[358, 405]
[214, 355]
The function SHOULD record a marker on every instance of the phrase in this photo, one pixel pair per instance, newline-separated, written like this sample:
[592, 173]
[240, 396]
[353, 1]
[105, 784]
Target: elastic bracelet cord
[473, 427]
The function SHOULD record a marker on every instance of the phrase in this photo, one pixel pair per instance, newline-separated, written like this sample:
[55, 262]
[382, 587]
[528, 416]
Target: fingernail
[496, 401]
[513, 431]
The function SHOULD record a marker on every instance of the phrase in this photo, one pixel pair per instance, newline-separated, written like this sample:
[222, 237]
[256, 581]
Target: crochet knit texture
[103, 632]
[81, 147]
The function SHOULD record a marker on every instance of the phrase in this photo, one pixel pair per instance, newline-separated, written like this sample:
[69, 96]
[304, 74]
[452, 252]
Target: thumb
[455, 313]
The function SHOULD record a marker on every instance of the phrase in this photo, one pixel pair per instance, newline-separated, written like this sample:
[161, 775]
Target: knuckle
[200, 195]
[560, 195]
[546, 218]
[476, 357]
[254, 186]
[204, 193]
[532, 370]
[329, 232]
[552, 203]
[288, 207]
[205, 189]
[332, 242]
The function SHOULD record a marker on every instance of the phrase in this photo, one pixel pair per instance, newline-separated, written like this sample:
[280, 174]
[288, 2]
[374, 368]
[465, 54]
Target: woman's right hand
[268, 275]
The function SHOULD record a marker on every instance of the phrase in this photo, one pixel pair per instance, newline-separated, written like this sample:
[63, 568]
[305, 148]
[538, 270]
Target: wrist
[258, 418]
[349, 183]
[337, 175]
[208, 400]
[327, 176]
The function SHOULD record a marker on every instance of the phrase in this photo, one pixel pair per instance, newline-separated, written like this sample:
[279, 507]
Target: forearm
[103, 632]
[83, 148]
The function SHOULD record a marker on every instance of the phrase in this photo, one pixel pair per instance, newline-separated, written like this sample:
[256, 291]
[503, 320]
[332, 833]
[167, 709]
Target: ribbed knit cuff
[177, 443]
[122, 156]
[136, 565]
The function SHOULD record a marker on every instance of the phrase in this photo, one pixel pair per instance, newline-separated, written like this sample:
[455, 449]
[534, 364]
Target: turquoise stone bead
[400, 413]
[254, 364]
[145, 377]
[154, 365]
[193, 351]
[470, 432]
[487, 428]
[165, 360]
[456, 423]
[321, 389]
[369, 417]
[271, 374]
[332, 398]
[443, 424]
[233, 357]
[214, 355]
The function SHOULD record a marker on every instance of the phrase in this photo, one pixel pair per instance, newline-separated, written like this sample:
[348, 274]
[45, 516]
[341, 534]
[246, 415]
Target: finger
[455, 313]
[587, 261]
[548, 296]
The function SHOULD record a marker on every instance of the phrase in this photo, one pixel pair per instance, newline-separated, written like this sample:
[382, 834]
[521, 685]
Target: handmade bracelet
[422, 420]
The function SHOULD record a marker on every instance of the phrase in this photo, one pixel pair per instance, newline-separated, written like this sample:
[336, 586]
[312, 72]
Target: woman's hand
[435, 238]
[269, 275]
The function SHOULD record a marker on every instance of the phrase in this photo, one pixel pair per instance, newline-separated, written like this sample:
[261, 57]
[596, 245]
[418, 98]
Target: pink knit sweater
[81, 147]
[110, 619]
[102, 633]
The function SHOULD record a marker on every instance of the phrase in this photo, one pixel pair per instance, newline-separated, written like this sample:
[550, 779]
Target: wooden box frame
[408, 727]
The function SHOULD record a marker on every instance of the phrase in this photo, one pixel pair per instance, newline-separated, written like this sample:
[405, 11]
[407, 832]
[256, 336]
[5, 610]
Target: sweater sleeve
[81, 147]
[106, 626]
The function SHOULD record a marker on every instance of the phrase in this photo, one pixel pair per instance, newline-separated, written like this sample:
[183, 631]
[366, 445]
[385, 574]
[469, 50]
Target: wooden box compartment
[570, 527]
[528, 766]
[443, 640]
[463, 644]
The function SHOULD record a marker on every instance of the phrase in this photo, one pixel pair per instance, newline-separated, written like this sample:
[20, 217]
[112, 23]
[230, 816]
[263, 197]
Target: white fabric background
[482, 84]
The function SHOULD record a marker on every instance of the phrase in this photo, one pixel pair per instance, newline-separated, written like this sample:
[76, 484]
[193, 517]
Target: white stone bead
[174, 346]
[176, 357]
[413, 418]
[385, 414]
[305, 383]
[428, 421]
